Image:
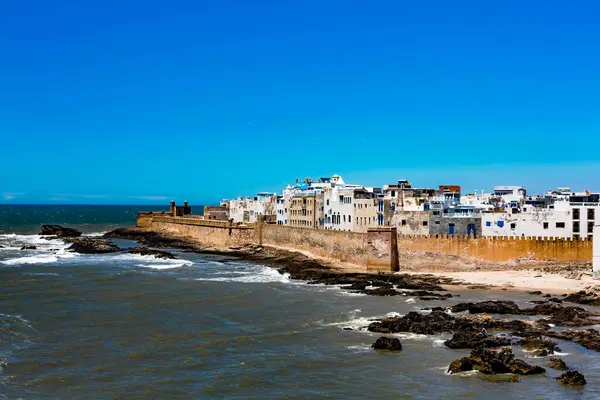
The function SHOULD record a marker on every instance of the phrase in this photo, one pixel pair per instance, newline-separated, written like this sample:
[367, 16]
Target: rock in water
[572, 378]
[583, 297]
[492, 361]
[143, 251]
[589, 338]
[92, 246]
[28, 248]
[558, 364]
[488, 307]
[59, 231]
[471, 339]
[386, 343]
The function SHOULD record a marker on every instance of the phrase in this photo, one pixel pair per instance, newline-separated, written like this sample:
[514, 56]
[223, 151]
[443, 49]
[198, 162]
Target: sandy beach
[526, 280]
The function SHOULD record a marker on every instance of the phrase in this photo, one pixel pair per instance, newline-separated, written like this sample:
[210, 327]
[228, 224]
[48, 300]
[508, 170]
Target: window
[591, 213]
[513, 226]
[576, 226]
[403, 222]
[436, 213]
[576, 213]
[590, 228]
[524, 208]
[545, 225]
[425, 223]
[349, 218]
[327, 201]
[488, 223]
[500, 224]
[560, 224]
[393, 193]
[437, 222]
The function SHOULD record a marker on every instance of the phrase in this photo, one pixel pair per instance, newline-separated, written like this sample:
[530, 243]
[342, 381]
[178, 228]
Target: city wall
[499, 249]
[377, 249]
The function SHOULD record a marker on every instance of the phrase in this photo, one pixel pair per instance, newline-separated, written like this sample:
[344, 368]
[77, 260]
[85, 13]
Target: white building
[247, 209]
[562, 218]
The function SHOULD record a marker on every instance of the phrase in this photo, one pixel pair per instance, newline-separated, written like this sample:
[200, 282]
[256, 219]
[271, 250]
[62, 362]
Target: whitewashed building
[572, 218]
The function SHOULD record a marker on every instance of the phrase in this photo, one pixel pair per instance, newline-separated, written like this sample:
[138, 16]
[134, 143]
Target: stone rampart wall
[498, 249]
[368, 250]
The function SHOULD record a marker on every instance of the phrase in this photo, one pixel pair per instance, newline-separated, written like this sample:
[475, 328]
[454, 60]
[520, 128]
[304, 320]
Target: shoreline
[553, 278]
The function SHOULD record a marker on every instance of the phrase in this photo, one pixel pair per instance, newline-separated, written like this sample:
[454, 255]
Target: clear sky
[147, 101]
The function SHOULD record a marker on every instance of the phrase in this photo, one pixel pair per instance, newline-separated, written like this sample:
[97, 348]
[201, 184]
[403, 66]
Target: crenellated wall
[499, 249]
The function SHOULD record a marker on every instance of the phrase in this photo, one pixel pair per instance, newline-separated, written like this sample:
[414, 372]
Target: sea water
[213, 327]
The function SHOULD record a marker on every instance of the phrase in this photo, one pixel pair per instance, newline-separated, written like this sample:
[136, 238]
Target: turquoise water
[210, 327]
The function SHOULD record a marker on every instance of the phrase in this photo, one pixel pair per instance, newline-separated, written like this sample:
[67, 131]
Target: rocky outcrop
[28, 248]
[538, 344]
[152, 239]
[583, 297]
[488, 307]
[493, 361]
[559, 315]
[558, 364]
[143, 251]
[92, 246]
[436, 322]
[572, 378]
[471, 339]
[386, 343]
[59, 231]
[589, 338]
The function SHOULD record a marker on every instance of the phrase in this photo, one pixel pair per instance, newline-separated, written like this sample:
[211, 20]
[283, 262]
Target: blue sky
[147, 101]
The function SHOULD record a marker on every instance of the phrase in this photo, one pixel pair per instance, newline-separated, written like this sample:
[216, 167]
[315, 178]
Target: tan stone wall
[499, 249]
[358, 248]
[212, 233]
[350, 247]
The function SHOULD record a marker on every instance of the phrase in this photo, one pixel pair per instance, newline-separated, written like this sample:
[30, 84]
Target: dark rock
[538, 301]
[59, 231]
[573, 378]
[542, 347]
[541, 353]
[536, 293]
[471, 339]
[92, 246]
[558, 364]
[415, 322]
[488, 307]
[348, 329]
[381, 291]
[520, 367]
[583, 297]
[442, 309]
[28, 248]
[590, 338]
[548, 295]
[143, 251]
[385, 343]
[492, 361]
[555, 300]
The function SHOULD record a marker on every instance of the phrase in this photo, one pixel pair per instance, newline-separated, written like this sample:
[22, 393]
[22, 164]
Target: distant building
[217, 213]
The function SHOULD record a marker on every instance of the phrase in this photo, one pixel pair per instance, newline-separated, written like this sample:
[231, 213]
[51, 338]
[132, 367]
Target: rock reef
[491, 361]
[59, 231]
[386, 343]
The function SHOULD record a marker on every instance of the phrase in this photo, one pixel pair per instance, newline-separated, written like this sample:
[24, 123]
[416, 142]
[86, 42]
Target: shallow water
[207, 327]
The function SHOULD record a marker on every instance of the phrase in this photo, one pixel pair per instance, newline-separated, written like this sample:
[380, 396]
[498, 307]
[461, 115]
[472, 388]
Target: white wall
[596, 250]
[334, 207]
[530, 223]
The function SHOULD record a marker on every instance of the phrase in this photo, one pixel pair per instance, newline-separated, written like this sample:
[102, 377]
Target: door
[451, 229]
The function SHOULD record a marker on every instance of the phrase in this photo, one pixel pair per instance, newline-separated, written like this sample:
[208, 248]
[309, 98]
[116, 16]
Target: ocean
[214, 327]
